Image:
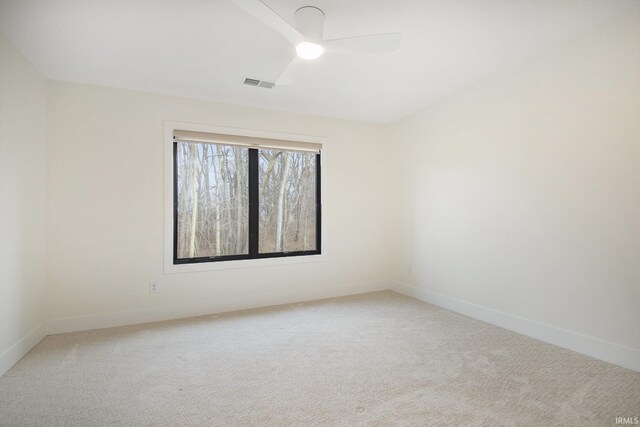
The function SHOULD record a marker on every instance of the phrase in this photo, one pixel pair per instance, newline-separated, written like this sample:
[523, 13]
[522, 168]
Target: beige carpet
[374, 359]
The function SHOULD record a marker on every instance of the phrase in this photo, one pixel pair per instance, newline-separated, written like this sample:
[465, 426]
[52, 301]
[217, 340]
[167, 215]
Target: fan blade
[267, 16]
[288, 75]
[374, 43]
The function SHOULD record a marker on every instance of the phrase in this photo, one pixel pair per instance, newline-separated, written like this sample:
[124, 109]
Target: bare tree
[194, 209]
[280, 216]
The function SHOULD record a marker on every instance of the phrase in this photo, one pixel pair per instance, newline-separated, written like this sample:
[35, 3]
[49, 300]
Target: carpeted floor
[373, 359]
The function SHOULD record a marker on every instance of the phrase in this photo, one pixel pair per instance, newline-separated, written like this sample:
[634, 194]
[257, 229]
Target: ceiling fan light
[308, 50]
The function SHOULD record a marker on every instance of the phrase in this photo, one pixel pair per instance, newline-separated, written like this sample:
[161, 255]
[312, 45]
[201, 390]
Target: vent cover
[259, 83]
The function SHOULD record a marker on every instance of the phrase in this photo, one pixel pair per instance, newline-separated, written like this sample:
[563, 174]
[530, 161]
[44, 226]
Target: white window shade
[246, 141]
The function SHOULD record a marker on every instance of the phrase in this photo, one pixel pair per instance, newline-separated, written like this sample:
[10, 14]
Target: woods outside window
[244, 198]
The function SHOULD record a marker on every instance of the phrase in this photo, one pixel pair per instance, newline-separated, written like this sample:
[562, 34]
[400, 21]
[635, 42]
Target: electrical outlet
[153, 287]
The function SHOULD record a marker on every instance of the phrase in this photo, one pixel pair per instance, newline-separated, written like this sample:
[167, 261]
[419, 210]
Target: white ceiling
[204, 48]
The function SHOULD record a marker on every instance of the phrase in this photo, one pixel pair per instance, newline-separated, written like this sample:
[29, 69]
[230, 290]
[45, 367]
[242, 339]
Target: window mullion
[254, 203]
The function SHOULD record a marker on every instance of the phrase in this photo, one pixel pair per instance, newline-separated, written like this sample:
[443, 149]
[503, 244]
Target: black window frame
[253, 217]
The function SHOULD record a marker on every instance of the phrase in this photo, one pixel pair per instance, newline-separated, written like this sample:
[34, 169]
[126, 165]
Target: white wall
[22, 214]
[105, 211]
[522, 194]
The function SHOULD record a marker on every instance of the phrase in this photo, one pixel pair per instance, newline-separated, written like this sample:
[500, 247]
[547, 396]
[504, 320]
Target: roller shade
[246, 141]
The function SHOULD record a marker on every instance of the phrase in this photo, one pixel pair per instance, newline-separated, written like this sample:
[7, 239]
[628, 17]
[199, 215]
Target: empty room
[320, 213]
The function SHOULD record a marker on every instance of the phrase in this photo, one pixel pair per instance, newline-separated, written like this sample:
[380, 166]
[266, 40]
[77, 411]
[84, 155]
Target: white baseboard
[13, 354]
[160, 313]
[594, 347]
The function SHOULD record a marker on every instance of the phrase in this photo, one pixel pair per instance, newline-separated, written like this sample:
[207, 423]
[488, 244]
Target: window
[244, 198]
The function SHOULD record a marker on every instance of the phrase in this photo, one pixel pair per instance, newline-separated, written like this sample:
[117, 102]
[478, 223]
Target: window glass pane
[287, 190]
[213, 200]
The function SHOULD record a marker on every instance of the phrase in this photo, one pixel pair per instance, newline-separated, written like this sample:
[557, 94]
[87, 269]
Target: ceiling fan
[307, 36]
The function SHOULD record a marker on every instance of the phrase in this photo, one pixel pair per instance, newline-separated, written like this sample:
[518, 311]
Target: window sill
[244, 263]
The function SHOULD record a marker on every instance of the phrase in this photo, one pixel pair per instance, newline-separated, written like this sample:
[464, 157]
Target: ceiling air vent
[259, 83]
